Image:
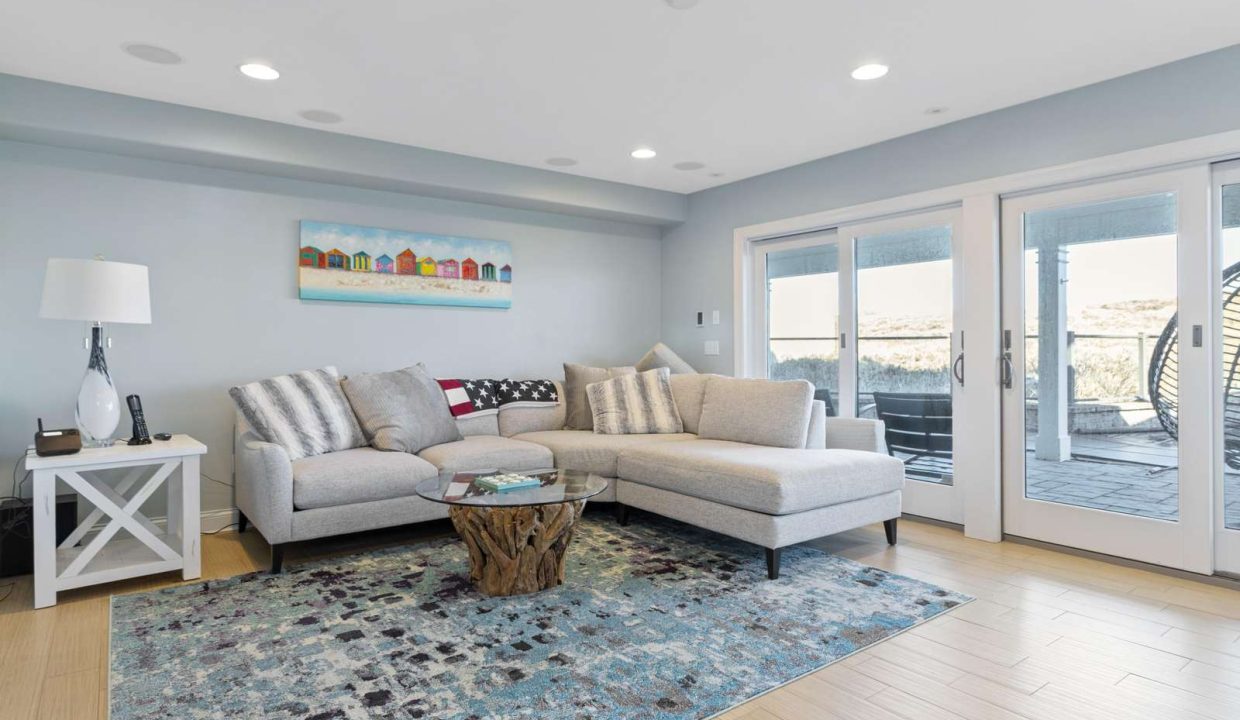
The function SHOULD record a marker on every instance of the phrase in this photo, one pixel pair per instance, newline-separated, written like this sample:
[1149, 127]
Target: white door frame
[1226, 540]
[1187, 543]
[926, 499]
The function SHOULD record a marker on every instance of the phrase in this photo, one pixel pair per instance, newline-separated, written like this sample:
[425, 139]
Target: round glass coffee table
[516, 538]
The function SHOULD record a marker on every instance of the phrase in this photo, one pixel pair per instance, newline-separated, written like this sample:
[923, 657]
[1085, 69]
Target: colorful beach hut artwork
[407, 263]
[398, 266]
[310, 256]
[337, 260]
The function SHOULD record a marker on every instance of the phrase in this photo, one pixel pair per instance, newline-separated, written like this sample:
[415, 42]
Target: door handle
[958, 369]
[1009, 370]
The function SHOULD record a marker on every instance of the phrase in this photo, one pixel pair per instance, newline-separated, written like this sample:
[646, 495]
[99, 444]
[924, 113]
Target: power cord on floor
[220, 530]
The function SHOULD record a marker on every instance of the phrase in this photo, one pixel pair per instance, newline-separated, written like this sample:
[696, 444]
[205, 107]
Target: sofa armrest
[856, 434]
[264, 478]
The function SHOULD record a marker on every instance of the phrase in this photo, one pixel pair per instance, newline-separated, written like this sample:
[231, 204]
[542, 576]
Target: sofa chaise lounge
[758, 460]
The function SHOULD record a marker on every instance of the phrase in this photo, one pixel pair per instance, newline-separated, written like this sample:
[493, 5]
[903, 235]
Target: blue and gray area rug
[656, 621]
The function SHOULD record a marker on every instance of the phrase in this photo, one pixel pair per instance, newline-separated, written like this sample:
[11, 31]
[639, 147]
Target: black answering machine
[56, 442]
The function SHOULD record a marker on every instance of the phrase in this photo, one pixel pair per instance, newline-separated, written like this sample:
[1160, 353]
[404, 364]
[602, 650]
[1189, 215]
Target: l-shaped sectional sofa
[755, 486]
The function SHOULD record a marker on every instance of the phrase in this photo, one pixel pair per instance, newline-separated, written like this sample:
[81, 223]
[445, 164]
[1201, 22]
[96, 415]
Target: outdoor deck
[1134, 473]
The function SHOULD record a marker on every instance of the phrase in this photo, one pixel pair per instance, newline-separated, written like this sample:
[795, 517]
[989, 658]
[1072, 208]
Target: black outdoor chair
[919, 428]
[825, 396]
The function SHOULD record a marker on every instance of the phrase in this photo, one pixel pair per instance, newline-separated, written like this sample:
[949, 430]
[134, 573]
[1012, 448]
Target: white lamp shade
[96, 291]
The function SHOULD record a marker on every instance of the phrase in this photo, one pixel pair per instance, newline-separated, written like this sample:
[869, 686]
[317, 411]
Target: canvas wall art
[366, 264]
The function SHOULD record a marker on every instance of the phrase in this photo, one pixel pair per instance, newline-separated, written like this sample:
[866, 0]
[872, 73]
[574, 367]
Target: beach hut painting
[407, 263]
[399, 266]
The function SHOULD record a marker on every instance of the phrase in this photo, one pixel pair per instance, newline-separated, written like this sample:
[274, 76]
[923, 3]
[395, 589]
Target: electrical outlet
[712, 347]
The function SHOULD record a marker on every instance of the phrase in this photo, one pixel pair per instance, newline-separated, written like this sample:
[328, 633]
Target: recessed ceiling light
[872, 71]
[320, 116]
[643, 153]
[689, 165]
[561, 161]
[152, 53]
[681, 4]
[259, 71]
[936, 110]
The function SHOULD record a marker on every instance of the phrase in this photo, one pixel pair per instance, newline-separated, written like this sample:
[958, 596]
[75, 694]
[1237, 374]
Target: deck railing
[1143, 344]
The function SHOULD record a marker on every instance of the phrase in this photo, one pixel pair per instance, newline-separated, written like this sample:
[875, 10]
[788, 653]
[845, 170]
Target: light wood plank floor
[1052, 636]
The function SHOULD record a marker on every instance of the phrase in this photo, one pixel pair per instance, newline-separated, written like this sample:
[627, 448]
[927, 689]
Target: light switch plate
[712, 347]
[714, 317]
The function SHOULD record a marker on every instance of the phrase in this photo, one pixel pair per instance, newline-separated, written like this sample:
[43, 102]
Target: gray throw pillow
[399, 411]
[635, 404]
[577, 406]
[661, 356]
[760, 412]
[305, 413]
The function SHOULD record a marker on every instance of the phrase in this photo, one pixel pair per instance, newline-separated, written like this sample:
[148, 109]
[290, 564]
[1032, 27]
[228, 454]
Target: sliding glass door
[800, 290]
[1227, 397]
[907, 359]
[1106, 405]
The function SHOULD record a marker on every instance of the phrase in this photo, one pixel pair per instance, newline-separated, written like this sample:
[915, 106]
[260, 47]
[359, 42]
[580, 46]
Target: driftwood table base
[516, 550]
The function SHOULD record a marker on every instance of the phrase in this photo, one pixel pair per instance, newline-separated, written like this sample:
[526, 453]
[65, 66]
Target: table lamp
[98, 292]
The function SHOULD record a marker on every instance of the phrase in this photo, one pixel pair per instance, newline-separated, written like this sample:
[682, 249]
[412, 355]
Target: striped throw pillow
[635, 404]
[306, 413]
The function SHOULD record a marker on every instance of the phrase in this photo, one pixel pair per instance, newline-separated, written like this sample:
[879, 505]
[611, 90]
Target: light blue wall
[1193, 97]
[222, 248]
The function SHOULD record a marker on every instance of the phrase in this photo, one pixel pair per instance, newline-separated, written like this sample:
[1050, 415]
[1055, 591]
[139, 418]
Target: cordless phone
[141, 436]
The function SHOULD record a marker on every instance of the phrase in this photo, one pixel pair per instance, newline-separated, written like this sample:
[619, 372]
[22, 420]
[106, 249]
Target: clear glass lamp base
[98, 406]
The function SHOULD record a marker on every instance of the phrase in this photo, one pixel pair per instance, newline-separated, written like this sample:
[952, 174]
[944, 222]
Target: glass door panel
[1227, 230]
[904, 344]
[1105, 413]
[1101, 345]
[802, 316]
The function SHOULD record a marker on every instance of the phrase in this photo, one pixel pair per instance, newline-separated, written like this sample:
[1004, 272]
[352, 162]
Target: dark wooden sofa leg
[889, 527]
[242, 522]
[277, 559]
[772, 563]
[622, 513]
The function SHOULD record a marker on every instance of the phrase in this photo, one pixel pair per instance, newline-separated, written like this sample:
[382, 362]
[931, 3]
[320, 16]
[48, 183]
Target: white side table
[101, 559]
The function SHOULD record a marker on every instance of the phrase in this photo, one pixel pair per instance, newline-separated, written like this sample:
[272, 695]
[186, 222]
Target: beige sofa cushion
[688, 391]
[483, 452]
[775, 481]
[761, 412]
[577, 405]
[514, 420]
[480, 425]
[662, 356]
[586, 451]
[355, 476]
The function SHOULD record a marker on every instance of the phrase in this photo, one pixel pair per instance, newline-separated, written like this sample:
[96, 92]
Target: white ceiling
[744, 86]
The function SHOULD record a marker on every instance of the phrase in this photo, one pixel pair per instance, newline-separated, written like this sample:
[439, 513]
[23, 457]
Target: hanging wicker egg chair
[1165, 371]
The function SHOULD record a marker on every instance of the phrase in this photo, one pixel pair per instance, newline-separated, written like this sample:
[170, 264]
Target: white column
[191, 550]
[1052, 442]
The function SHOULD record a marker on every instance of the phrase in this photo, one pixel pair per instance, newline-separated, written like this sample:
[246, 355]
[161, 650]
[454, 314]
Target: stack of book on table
[507, 482]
